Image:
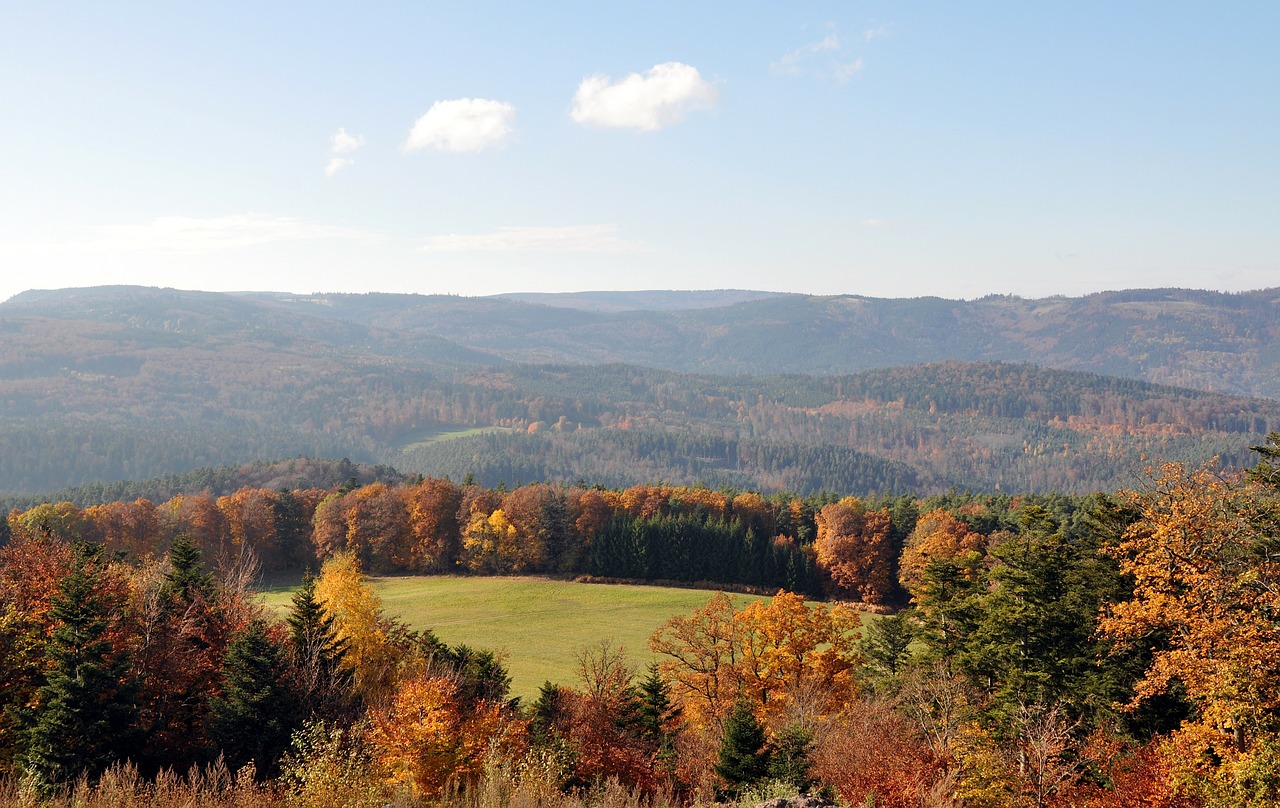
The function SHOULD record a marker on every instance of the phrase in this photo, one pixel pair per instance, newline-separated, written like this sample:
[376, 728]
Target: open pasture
[540, 625]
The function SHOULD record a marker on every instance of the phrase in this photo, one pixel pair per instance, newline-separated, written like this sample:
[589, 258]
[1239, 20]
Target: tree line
[1112, 650]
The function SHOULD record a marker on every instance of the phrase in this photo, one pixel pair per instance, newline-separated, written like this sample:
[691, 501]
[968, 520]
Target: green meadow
[541, 626]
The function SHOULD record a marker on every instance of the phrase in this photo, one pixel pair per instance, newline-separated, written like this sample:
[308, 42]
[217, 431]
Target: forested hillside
[119, 383]
[1051, 651]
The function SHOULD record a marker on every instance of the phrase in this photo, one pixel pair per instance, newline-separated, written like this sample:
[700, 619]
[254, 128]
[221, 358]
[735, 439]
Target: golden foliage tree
[357, 611]
[424, 739]
[1206, 569]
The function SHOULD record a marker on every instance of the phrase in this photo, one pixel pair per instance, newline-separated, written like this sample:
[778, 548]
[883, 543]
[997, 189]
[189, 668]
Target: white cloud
[462, 125]
[189, 234]
[879, 32]
[791, 61]
[336, 164]
[825, 59]
[873, 224]
[593, 238]
[842, 73]
[663, 95]
[344, 143]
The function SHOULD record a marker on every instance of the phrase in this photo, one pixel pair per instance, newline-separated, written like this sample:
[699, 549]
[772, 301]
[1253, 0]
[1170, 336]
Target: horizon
[821, 149]
[584, 292]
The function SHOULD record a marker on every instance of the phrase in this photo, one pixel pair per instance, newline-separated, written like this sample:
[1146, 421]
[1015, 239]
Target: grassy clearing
[541, 625]
[427, 437]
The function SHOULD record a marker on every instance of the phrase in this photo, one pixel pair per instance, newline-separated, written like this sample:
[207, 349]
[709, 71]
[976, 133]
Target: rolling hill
[743, 389]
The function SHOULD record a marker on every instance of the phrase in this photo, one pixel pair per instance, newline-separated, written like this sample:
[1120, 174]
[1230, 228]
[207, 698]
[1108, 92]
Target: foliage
[84, 721]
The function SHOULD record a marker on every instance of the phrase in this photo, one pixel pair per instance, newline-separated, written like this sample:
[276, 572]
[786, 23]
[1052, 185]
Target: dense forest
[117, 384]
[1103, 650]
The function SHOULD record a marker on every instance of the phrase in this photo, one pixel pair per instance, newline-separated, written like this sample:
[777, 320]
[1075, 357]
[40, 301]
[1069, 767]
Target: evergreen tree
[790, 759]
[547, 712]
[186, 579]
[251, 718]
[321, 678]
[885, 643]
[293, 528]
[744, 757]
[656, 714]
[84, 721]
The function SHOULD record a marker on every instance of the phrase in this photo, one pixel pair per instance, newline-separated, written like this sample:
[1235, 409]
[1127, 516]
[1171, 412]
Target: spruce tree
[744, 757]
[250, 720]
[186, 579]
[84, 721]
[322, 680]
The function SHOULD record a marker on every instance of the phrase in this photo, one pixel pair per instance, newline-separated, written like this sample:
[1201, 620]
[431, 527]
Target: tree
[85, 717]
[854, 548]
[424, 739]
[886, 643]
[1207, 582]
[252, 717]
[357, 611]
[322, 679]
[743, 758]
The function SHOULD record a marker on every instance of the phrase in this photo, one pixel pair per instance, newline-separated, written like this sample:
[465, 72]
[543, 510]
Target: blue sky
[884, 149]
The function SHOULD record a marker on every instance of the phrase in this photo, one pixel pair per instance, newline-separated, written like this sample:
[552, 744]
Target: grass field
[539, 624]
[427, 437]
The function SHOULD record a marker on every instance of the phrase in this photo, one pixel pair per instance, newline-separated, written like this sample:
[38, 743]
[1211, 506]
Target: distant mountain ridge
[846, 394]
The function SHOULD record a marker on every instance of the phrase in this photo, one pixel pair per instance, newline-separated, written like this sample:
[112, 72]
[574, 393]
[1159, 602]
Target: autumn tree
[854, 548]
[424, 740]
[938, 536]
[434, 536]
[361, 626]
[1206, 573]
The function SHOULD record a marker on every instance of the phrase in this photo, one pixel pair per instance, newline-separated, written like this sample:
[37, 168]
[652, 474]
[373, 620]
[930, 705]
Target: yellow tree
[701, 654]
[938, 536]
[1206, 573]
[784, 655]
[344, 593]
[794, 652]
[424, 739]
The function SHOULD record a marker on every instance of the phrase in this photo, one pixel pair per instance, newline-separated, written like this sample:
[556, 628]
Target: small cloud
[593, 238]
[190, 234]
[344, 143]
[873, 224]
[827, 59]
[791, 62]
[879, 32]
[462, 125]
[336, 164]
[843, 73]
[663, 95]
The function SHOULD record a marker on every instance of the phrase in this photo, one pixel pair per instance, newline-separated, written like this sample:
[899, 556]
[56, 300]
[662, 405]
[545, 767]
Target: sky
[883, 149]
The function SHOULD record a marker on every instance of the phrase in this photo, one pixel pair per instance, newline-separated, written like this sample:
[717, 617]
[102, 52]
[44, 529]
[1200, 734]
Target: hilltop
[745, 389]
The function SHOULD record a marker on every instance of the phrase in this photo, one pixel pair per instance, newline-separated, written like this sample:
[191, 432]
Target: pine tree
[186, 579]
[322, 680]
[251, 717]
[657, 715]
[744, 757]
[84, 721]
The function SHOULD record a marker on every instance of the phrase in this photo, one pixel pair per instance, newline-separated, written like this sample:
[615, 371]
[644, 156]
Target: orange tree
[1205, 560]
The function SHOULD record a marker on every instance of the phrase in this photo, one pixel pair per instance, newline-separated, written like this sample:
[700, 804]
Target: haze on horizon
[819, 147]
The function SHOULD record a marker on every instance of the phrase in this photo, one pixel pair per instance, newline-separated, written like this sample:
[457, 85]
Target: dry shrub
[121, 787]
[870, 753]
